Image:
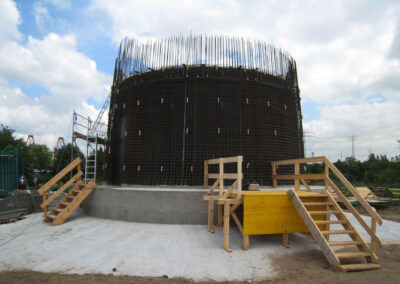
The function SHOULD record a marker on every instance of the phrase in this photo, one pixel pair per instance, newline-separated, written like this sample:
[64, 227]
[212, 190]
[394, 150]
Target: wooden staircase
[317, 208]
[361, 258]
[74, 198]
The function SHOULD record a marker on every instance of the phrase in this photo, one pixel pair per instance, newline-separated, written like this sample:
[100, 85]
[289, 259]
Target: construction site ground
[87, 249]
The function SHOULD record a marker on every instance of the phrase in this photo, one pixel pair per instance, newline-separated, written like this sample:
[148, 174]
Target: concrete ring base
[162, 205]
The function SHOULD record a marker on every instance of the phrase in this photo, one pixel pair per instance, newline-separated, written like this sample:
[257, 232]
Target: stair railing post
[297, 173]
[240, 175]
[326, 174]
[221, 175]
[205, 174]
[373, 228]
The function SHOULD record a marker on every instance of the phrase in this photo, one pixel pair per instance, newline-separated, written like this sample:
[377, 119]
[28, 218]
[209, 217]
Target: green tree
[63, 157]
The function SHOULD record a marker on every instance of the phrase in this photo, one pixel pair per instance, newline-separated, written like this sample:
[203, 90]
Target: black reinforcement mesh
[163, 124]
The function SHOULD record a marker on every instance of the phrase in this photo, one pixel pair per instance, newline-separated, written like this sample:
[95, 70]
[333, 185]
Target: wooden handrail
[329, 166]
[59, 176]
[355, 193]
[299, 161]
[62, 189]
[357, 215]
[220, 176]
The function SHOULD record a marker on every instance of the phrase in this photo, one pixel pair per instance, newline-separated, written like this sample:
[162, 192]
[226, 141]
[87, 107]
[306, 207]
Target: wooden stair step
[359, 266]
[58, 209]
[330, 222]
[65, 203]
[312, 195]
[352, 254]
[323, 212]
[317, 203]
[345, 243]
[338, 232]
[70, 197]
[51, 216]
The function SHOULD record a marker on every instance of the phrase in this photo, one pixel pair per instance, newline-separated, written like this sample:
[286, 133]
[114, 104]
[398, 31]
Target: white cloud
[60, 4]
[53, 63]
[9, 20]
[376, 127]
[41, 15]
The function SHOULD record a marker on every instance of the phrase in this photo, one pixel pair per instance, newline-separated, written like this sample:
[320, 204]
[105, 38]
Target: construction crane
[92, 130]
[60, 144]
[31, 140]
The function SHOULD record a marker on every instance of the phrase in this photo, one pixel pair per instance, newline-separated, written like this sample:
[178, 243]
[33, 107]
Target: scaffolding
[94, 134]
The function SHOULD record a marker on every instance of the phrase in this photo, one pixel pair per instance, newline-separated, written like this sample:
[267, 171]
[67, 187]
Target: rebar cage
[180, 101]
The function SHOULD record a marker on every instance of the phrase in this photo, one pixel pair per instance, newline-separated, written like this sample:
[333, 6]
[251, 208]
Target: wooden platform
[294, 211]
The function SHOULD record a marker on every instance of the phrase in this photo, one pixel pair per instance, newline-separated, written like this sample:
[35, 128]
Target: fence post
[205, 174]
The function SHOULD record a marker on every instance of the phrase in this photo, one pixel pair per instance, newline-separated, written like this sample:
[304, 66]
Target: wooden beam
[285, 240]
[224, 160]
[274, 180]
[220, 214]
[297, 179]
[305, 184]
[227, 208]
[301, 161]
[225, 176]
[45, 208]
[373, 240]
[299, 176]
[61, 189]
[238, 224]
[240, 175]
[211, 216]
[59, 176]
[206, 174]
[246, 242]
[221, 176]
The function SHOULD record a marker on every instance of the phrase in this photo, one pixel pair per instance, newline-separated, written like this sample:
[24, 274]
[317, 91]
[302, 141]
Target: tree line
[376, 171]
[39, 161]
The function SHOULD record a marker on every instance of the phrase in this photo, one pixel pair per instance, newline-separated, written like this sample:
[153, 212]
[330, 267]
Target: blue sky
[58, 55]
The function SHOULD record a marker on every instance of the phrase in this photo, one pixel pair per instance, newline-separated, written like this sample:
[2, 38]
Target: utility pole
[353, 154]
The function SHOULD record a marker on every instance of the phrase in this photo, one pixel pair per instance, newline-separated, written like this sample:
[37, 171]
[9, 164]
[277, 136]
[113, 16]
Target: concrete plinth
[148, 204]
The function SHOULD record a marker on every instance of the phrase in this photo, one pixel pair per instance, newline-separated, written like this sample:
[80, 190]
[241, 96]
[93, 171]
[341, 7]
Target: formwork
[165, 119]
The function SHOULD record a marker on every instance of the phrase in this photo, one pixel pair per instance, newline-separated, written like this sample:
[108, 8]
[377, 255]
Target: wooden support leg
[220, 214]
[211, 216]
[45, 208]
[227, 209]
[285, 240]
[246, 242]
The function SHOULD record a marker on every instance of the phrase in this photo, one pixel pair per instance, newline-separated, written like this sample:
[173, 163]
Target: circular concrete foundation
[162, 205]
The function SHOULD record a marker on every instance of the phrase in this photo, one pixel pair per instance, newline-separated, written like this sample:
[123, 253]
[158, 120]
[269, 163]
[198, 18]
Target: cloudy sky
[58, 55]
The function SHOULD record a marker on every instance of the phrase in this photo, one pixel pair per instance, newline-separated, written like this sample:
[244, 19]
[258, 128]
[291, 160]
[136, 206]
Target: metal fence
[8, 171]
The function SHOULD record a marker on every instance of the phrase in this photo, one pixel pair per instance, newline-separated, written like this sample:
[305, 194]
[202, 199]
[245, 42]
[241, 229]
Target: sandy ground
[98, 247]
[300, 267]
